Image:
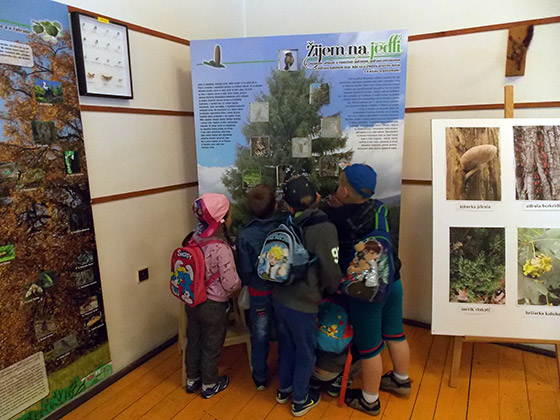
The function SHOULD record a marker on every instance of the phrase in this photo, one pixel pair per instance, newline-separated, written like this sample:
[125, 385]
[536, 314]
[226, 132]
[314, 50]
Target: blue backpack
[283, 258]
[334, 331]
[373, 268]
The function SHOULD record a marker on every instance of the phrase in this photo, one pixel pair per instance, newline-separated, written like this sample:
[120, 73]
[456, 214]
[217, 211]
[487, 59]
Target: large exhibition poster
[496, 222]
[270, 108]
[53, 338]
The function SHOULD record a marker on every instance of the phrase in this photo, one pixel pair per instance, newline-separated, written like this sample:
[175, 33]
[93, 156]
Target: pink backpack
[188, 273]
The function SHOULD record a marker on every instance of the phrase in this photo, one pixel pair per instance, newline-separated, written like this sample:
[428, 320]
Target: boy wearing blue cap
[355, 214]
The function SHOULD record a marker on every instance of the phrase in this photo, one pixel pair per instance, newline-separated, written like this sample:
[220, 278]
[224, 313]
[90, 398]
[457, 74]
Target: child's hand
[333, 201]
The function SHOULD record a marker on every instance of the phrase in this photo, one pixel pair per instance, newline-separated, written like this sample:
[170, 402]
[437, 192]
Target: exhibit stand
[495, 183]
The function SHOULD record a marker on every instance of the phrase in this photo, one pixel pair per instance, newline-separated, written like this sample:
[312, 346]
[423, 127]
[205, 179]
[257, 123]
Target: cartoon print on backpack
[368, 272]
[181, 281]
[273, 263]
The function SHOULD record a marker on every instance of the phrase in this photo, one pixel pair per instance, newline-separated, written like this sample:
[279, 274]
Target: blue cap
[362, 178]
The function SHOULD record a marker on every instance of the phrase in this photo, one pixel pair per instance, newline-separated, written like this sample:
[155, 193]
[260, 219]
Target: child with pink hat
[207, 322]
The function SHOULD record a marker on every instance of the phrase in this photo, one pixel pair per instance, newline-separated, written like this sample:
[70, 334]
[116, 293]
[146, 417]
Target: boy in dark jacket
[261, 202]
[355, 214]
[296, 306]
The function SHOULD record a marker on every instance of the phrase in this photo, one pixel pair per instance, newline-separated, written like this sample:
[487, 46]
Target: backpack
[283, 258]
[188, 273]
[373, 268]
[334, 331]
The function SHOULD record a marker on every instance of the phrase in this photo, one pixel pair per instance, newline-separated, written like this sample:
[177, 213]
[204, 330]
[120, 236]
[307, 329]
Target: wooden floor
[496, 382]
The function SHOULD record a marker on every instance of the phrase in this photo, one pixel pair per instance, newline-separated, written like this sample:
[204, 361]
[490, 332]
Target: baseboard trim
[90, 393]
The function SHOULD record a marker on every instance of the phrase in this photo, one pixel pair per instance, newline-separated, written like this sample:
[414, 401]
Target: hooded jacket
[320, 238]
[218, 258]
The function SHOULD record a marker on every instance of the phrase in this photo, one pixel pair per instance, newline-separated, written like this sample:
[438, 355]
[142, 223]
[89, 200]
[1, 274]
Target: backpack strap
[381, 215]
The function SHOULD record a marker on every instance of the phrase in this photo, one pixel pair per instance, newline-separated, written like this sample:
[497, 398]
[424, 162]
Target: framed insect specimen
[102, 57]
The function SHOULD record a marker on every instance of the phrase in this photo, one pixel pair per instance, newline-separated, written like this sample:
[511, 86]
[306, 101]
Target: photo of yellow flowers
[538, 274]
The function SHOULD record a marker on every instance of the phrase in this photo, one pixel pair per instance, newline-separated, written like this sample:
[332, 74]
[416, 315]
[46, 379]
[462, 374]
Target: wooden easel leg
[456, 361]
[557, 346]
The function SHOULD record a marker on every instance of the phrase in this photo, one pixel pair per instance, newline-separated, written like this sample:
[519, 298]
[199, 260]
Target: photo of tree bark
[537, 162]
[473, 163]
[46, 228]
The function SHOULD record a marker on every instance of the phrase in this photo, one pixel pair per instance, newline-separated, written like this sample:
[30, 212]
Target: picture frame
[102, 57]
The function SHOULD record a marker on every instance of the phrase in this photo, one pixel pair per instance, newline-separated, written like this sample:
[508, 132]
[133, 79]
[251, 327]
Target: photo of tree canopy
[46, 230]
[538, 273]
[477, 265]
[291, 115]
[473, 163]
[537, 162]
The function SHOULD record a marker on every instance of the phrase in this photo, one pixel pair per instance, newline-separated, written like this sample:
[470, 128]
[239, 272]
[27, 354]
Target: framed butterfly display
[102, 56]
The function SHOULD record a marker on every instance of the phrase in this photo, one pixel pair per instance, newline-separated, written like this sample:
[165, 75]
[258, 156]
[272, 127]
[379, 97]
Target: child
[296, 306]
[208, 322]
[261, 202]
[354, 214]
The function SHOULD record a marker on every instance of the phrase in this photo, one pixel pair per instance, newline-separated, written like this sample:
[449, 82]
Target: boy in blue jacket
[261, 202]
[355, 214]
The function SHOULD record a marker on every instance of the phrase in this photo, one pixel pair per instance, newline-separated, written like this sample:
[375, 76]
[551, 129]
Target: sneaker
[221, 384]
[355, 399]
[283, 397]
[300, 409]
[392, 384]
[194, 387]
[334, 387]
[260, 385]
[315, 384]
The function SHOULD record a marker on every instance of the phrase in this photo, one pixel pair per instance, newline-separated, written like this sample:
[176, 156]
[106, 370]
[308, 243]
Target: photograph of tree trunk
[477, 265]
[473, 163]
[537, 162]
[538, 278]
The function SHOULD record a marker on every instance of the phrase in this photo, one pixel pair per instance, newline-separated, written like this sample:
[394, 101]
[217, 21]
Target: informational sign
[496, 222]
[52, 320]
[269, 108]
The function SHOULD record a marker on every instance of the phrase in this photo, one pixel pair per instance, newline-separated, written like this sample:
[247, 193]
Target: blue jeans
[260, 314]
[297, 342]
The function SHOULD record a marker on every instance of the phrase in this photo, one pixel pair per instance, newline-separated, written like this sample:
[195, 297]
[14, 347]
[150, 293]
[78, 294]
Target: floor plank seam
[470, 379]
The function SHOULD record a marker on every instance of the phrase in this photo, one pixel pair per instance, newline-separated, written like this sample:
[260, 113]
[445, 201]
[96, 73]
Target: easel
[459, 340]
[237, 333]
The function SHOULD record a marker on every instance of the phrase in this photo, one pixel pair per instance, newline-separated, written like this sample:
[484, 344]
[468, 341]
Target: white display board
[496, 228]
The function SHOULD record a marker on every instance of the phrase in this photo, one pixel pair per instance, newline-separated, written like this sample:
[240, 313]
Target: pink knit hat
[210, 209]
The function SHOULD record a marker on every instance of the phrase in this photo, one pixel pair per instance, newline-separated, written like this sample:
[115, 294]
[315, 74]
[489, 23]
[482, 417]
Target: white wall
[130, 152]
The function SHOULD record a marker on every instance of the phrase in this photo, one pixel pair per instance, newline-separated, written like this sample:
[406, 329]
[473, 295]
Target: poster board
[496, 228]
[270, 108]
[53, 332]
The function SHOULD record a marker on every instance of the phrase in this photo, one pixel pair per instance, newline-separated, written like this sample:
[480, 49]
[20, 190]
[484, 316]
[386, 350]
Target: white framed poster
[496, 228]
[102, 57]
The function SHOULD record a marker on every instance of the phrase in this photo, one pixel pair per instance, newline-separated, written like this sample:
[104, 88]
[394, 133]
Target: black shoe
[221, 384]
[283, 397]
[315, 384]
[260, 385]
[355, 399]
[300, 409]
[191, 389]
[392, 384]
[335, 386]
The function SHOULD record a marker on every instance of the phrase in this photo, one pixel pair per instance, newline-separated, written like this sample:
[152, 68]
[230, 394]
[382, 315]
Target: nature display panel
[53, 334]
[269, 108]
[496, 226]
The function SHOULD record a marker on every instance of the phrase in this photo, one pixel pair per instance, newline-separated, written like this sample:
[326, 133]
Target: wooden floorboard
[495, 382]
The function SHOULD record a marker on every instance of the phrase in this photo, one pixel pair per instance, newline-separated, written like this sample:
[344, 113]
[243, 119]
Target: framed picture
[102, 57]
